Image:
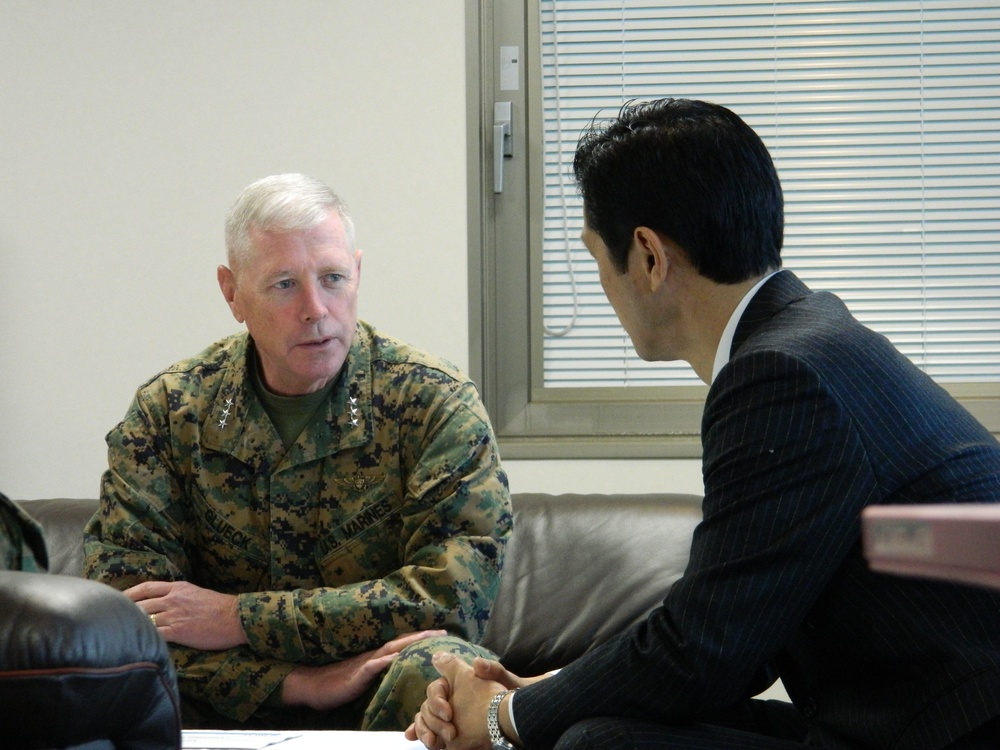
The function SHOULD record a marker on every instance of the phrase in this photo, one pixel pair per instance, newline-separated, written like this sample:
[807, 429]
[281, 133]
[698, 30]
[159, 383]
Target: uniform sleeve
[138, 535]
[22, 543]
[456, 519]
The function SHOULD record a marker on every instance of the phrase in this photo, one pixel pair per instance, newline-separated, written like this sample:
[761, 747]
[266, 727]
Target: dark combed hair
[691, 171]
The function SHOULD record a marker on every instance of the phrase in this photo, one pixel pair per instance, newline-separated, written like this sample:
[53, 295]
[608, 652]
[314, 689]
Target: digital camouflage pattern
[387, 706]
[388, 515]
[22, 544]
[399, 696]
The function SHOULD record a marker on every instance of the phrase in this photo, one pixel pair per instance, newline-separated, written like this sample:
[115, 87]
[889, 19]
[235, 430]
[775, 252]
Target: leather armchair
[81, 667]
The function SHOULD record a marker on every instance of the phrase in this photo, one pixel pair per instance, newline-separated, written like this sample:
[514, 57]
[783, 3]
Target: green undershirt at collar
[290, 415]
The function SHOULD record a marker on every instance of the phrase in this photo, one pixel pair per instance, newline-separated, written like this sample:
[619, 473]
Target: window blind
[883, 119]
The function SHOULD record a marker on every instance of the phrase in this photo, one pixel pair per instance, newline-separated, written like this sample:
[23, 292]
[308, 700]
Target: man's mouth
[317, 343]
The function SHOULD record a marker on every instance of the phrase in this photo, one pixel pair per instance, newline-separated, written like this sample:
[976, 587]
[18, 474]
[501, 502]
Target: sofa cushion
[22, 545]
[581, 568]
[62, 522]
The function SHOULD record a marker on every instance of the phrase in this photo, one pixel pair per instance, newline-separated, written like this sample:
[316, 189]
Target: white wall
[126, 131]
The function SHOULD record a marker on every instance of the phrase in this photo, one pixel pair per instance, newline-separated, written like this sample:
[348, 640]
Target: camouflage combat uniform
[22, 543]
[388, 515]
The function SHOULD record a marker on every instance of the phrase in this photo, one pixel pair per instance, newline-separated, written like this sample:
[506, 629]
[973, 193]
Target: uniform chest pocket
[364, 546]
[231, 555]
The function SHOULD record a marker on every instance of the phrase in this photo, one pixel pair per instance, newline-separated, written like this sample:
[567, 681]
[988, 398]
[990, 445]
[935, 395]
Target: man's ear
[652, 257]
[227, 283]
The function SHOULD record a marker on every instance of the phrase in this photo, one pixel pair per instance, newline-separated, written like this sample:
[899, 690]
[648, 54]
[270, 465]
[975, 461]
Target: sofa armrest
[581, 568]
[81, 663]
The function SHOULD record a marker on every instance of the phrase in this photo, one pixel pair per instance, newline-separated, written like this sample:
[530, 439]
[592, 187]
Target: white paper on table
[305, 740]
[200, 740]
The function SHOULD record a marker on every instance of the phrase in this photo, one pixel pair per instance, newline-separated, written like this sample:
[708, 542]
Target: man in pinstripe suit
[810, 417]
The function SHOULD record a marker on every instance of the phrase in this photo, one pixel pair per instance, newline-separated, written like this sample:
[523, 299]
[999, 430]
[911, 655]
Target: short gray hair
[280, 203]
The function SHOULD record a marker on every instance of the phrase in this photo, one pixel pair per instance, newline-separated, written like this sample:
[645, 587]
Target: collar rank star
[497, 740]
[225, 414]
[354, 412]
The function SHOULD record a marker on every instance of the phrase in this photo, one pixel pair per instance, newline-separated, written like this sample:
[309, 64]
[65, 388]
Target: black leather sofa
[81, 667]
[578, 569]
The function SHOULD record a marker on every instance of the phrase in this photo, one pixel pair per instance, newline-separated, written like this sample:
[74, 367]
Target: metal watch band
[497, 740]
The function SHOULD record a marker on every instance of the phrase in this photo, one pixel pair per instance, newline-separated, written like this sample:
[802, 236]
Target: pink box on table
[957, 542]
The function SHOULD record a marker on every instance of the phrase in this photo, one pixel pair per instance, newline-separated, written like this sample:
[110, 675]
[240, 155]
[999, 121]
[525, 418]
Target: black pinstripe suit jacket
[814, 418]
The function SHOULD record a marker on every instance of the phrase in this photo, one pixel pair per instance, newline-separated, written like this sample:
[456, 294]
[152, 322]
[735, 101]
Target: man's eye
[283, 284]
[333, 278]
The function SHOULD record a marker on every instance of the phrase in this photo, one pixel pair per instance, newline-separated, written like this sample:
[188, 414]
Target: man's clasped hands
[454, 714]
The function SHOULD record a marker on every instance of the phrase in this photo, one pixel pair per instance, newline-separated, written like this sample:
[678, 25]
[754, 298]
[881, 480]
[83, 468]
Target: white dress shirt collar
[726, 342]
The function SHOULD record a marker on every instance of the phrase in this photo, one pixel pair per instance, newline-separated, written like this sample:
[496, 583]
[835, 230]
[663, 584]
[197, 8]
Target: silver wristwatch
[497, 739]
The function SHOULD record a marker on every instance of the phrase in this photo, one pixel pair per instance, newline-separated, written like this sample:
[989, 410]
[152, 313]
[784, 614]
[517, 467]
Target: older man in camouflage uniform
[309, 509]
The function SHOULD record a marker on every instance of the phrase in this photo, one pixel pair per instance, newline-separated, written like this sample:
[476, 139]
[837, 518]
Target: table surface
[305, 740]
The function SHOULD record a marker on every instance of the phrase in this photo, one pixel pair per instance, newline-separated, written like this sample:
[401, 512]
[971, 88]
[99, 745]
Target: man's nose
[313, 308]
